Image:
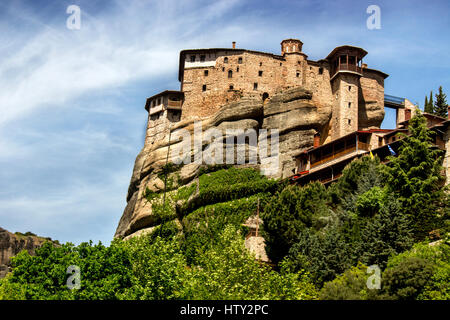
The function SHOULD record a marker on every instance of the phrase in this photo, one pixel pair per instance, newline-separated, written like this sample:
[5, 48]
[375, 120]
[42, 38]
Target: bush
[290, 212]
[351, 285]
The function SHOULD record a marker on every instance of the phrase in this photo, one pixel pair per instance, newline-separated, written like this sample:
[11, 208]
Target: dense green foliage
[414, 177]
[320, 239]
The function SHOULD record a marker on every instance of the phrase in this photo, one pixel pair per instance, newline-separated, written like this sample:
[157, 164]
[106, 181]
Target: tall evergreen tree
[428, 107]
[414, 177]
[440, 106]
[431, 103]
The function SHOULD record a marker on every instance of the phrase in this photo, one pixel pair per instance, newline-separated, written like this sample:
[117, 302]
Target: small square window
[260, 73]
[206, 73]
[297, 74]
[204, 87]
[231, 87]
[192, 58]
[255, 86]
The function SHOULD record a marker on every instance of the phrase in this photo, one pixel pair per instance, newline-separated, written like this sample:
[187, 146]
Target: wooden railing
[339, 153]
[347, 67]
[174, 104]
[333, 156]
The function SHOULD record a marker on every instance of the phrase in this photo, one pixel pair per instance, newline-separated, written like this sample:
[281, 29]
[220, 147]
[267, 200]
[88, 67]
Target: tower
[291, 50]
[345, 72]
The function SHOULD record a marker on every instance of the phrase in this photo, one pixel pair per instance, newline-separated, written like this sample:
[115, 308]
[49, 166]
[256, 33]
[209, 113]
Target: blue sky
[72, 114]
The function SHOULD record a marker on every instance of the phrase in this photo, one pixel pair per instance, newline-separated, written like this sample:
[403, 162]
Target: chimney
[407, 114]
[234, 44]
[316, 140]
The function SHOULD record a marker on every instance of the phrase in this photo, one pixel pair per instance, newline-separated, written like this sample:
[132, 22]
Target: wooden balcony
[338, 152]
[172, 104]
[347, 67]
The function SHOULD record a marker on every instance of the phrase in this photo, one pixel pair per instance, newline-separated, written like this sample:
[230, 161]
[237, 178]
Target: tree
[351, 285]
[288, 213]
[414, 177]
[440, 106]
[386, 234]
[105, 273]
[229, 271]
[428, 106]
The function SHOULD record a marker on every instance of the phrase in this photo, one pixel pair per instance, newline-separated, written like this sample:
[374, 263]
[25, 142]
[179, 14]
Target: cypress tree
[428, 107]
[414, 177]
[440, 106]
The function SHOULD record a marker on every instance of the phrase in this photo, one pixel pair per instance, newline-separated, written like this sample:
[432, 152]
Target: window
[204, 87]
[320, 70]
[223, 68]
[281, 63]
[349, 88]
[230, 74]
[343, 59]
[225, 60]
[192, 58]
[231, 87]
[260, 64]
[297, 74]
[202, 58]
[255, 86]
[260, 73]
[240, 60]
[237, 69]
[206, 73]
[349, 121]
[349, 104]
[352, 60]
[299, 62]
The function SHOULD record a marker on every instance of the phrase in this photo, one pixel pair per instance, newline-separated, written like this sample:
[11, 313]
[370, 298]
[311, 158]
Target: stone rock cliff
[11, 244]
[292, 111]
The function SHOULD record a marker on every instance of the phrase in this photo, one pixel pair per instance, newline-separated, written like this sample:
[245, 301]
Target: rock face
[11, 244]
[292, 112]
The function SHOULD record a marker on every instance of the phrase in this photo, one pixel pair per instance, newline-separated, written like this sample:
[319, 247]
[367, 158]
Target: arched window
[225, 60]
[230, 74]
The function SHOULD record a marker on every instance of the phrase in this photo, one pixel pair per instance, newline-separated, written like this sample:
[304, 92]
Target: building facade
[211, 78]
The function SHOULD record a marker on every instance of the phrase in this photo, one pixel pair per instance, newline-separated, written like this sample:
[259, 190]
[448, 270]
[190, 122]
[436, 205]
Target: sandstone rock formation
[11, 244]
[292, 112]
